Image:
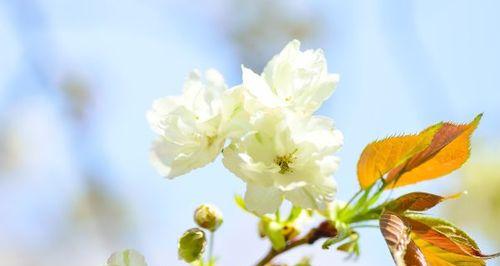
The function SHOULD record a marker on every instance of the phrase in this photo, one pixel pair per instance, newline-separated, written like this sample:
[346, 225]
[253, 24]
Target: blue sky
[403, 65]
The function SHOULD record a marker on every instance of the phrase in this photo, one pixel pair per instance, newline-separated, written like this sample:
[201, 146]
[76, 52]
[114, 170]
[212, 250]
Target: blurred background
[76, 78]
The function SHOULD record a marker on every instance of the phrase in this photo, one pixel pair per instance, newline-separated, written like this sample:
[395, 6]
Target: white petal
[215, 79]
[171, 159]
[315, 196]
[328, 165]
[279, 73]
[257, 87]
[160, 109]
[300, 79]
[262, 200]
[318, 131]
[126, 258]
[325, 87]
[244, 167]
[235, 118]
[163, 156]
[203, 99]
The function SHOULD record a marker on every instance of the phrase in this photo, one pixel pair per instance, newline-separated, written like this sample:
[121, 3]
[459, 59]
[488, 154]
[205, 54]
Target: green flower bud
[126, 257]
[208, 216]
[192, 245]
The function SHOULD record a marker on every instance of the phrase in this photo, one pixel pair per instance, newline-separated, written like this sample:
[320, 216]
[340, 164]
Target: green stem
[354, 197]
[350, 201]
[211, 247]
[361, 208]
[365, 226]
[369, 214]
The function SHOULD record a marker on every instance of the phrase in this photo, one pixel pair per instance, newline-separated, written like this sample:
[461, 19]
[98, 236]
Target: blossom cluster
[265, 128]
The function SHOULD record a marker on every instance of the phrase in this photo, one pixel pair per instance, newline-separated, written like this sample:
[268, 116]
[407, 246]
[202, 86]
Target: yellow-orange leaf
[444, 244]
[449, 149]
[380, 157]
[419, 240]
[436, 256]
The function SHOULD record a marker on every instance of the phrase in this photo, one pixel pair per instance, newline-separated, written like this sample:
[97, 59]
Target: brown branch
[325, 229]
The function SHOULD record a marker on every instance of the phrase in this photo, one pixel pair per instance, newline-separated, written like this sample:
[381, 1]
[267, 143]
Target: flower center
[210, 140]
[284, 162]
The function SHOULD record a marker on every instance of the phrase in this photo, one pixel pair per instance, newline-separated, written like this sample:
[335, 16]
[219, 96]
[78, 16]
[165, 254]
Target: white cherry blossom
[277, 146]
[286, 156]
[190, 127]
[292, 79]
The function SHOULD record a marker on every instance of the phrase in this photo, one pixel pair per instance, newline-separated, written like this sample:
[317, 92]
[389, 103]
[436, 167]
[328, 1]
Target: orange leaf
[380, 157]
[418, 240]
[449, 149]
[416, 201]
[436, 256]
[445, 236]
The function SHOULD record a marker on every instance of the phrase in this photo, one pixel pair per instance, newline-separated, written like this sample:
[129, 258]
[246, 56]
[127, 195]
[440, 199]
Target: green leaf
[294, 214]
[343, 234]
[273, 231]
[240, 202]
[351, 246]
[192, 245]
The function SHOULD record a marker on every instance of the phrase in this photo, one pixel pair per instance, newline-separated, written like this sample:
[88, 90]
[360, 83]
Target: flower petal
[244, 166]
[319, 131]
[314, 196]
[261, 95]
[171, 159]
[300, 79]
[262, 200]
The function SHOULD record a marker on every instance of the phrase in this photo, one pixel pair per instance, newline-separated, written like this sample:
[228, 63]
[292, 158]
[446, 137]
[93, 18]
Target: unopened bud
[208, 216]
[126, 257]
[192, 245]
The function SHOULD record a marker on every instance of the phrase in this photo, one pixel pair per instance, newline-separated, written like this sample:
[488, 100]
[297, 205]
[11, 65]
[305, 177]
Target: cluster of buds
[193, 242]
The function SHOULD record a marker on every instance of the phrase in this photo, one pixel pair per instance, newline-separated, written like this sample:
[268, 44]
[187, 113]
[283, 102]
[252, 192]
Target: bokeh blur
[76, 78]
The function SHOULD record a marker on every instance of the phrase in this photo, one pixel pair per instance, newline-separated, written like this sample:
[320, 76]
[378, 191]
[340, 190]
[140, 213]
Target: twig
[325, 229]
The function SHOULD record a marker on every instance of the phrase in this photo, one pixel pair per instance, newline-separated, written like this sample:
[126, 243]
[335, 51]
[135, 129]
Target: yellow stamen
[284, 162]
